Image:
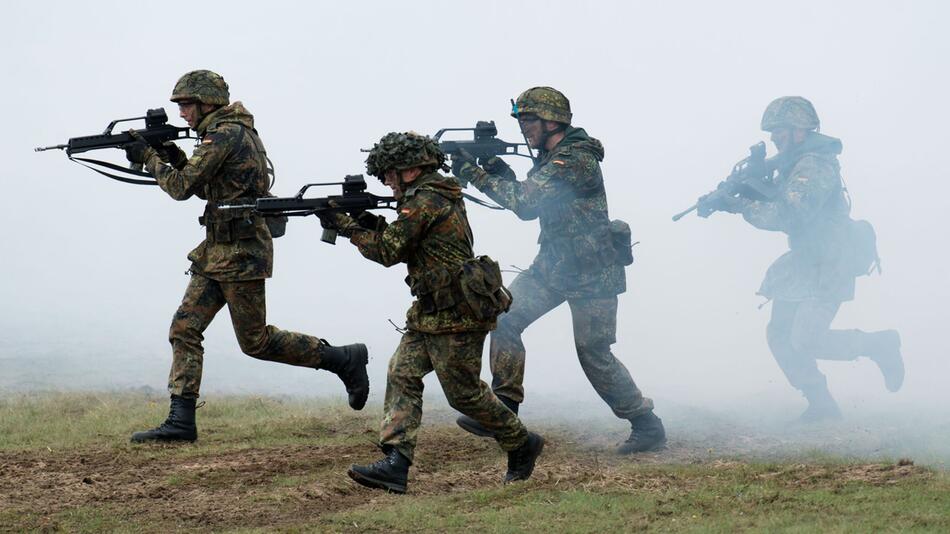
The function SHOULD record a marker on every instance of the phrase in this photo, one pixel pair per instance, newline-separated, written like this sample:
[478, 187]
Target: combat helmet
[545, 102]
[401, 151]
[202, 86]
[790, 112]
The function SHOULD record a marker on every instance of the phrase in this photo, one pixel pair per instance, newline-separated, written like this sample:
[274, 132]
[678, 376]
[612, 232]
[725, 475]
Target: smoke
[93, 269]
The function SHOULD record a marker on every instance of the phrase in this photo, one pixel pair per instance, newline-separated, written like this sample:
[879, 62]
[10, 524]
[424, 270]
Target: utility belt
[606, 245]
[228, 226]
[474, 288]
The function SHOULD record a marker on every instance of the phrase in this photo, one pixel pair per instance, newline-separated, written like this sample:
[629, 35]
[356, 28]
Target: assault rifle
[156, 131]
[484, 143]
[752, 177]
[354, 201]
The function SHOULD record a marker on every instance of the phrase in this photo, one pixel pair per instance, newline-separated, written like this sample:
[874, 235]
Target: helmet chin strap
[546, 134]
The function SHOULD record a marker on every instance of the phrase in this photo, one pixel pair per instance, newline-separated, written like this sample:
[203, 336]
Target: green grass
[58, 421]
[705, 499]
[265, 464]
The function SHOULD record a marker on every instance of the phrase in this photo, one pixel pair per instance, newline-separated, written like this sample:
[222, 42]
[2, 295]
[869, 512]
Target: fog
[92, 269]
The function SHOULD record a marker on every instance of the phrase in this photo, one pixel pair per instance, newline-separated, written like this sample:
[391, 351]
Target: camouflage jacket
[432, 236]
[565, 192]
[812, 209]
[228, 165]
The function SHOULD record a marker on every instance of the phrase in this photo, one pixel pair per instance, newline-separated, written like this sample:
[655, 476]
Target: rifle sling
[481, 202]
[106, 164]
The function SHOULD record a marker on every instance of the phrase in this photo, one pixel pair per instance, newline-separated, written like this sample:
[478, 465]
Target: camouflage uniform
[808, 283]
[432, 236]
[229, 267]
[576, 263]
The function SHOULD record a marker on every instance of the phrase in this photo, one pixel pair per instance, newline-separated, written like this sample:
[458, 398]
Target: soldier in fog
[827, 251]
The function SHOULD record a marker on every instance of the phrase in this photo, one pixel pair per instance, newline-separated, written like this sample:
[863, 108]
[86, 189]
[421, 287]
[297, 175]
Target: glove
[371, 221]
[341, 222]
[498, 167]
[464, 167]
[138, 152]
[171, 154]
[709, 204]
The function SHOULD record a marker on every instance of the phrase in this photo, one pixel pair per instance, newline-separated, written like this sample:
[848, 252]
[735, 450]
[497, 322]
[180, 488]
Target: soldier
[458, 298]
[578, 261]
[228, 166]
[808, 283]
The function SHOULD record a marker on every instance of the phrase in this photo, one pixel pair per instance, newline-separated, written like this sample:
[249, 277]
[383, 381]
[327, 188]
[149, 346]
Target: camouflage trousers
[799, 334]
[203, 299]
[595, 329]
[457, 362]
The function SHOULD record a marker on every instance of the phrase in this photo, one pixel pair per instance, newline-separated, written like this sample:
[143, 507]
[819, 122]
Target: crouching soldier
[458, 298]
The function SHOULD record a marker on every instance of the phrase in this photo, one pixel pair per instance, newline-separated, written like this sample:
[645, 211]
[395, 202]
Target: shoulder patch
[559, 162]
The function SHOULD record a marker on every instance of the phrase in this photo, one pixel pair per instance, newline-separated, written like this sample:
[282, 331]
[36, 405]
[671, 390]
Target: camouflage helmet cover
[790, 112]
[203, 86]
[401, 151]
[545, 102]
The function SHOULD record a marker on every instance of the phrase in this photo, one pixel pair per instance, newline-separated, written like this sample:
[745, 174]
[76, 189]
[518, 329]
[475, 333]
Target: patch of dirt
[250, 487]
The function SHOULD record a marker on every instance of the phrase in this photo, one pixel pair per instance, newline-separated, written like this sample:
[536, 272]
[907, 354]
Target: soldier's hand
[173, 155]
[138, 152]
[705, 206]
[498, 167]
[346, 225]
[464, 166]
[371, 221]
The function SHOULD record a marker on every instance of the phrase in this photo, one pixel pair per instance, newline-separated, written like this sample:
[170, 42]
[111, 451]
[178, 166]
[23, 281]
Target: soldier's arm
[392, 245]
[810, 184]
[203, 164]
[579, 170]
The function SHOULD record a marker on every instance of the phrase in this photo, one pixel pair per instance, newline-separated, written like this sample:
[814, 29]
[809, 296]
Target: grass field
[264, 464]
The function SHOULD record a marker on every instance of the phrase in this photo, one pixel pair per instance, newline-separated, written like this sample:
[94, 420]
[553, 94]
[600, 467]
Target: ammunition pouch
[863, 248]
[474, 289]
[620, 237]
[228, 226]
[276, 225]
[602, 247]
[482, 288]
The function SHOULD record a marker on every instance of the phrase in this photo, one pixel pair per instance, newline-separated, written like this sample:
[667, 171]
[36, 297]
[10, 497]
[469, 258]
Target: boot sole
[362, 354]
[659, 446]
[163, 440]
[374, 483]
[466, 425]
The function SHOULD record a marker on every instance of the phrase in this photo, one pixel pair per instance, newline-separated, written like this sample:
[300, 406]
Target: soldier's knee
[509, 326]
[254, 343]
[181, 330]
[464, 401]
[592, 348]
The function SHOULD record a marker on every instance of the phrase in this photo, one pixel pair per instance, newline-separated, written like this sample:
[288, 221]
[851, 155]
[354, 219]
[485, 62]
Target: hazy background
[93, 269]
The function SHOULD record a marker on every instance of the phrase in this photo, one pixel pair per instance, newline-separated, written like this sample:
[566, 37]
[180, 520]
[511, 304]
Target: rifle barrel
[684, 213]
[53, 147]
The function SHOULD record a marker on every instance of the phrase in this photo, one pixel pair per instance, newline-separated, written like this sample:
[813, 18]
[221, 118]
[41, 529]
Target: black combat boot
[470, 425]
[180, 425]
[521, 460]
[646, 434]
[821, 406]
[389, 474]
[885, 351]
[349, 363]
